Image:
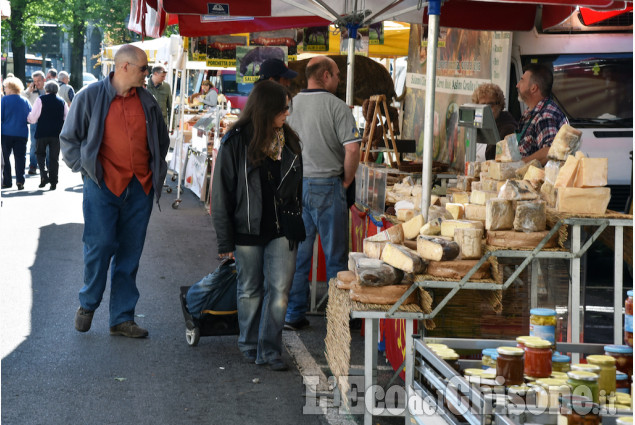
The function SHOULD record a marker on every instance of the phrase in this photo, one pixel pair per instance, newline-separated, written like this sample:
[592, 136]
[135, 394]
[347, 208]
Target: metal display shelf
[444, 396]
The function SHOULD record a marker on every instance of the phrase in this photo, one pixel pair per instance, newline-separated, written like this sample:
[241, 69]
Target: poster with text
[249, 59]
[287, 37]
[315, 39]
[221, 50]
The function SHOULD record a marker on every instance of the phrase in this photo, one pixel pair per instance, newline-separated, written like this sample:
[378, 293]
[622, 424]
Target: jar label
[545, 332]
[628, 323]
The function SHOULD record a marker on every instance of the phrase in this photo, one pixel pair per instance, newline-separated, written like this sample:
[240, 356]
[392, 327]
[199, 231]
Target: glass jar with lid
[628, 319]
[623, 357]
[606, 381]
[510, 365]
[549, 391]
[542, 323]
[538, 358]
[584, 383]
[583, 413]
[621, 383]
[488, 358]
[560, 363]
[586, 367]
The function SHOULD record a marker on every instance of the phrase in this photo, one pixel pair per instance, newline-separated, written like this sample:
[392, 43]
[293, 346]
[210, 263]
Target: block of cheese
[552, 168]
[534, 173]
[448, 226]
[485, 165]
[410, 244]
[566, 142]
[431, 228]
[567, 173]
[519, 240]
[580, 155]
[436, 211]
[455, 209]
[373, 249]
[434, 199]
[487, 185]
[464, 183]
[437, 249]
[591, 200]
[443, 200]
[507, 149]
[377, 273]
[457, 269]
[480, 197]
[411, 227]
[405, 214]
[392, 234]
[518, 190]
[459, 198]
[346, 276]
[483, 175]
[549, 194]
[592, 172]
[387, 295]
[475, 212]
[353, 257]
[476, 185]
[469, 241]
[344, 285]
[403, 258]
[531, 216]
[472, 169]
[504, 170]
[520, 173]
[499, 214]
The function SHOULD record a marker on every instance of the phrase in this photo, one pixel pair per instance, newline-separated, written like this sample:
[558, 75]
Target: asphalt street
[52, 374]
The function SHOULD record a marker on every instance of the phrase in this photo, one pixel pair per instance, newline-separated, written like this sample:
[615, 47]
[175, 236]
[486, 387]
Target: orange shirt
[124, 149]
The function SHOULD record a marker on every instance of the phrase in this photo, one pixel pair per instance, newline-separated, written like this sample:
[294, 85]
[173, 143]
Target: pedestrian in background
[161, 91]
[210, 95]
[66, 91]
[330, 148]
[51, 75]
[32, 93]
[276, 70]
[49, 112]
[115, 137]
[15, 110]
[257, 213]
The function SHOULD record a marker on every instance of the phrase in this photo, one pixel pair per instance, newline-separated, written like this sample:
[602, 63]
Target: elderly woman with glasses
[492, 95]
[257, 213]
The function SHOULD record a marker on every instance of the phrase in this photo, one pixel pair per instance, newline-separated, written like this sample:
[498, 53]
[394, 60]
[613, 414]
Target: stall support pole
[618, 280]
[533, 283]
[574, 314]
[434, 11]
[370, 368]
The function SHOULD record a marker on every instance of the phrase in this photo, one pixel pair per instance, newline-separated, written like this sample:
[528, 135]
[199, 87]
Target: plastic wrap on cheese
[566, 142]
[507, 149]
[519, 190]
[530, 217]
[552, 168]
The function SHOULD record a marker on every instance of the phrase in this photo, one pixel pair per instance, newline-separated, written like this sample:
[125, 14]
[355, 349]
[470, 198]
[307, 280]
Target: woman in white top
[210, 96]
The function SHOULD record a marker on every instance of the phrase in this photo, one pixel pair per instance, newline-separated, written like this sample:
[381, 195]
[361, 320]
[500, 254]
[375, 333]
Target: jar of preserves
[584, 383]
[623, 357]
[560, 363]
[538, 358]
[621, 383]
[542, 323]
[510, 365]
[583, 413]
[606, 381]
[628, 319]
[488, 358]
[549, 391]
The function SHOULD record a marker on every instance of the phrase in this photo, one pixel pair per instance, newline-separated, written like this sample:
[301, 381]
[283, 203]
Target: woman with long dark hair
[257, 213]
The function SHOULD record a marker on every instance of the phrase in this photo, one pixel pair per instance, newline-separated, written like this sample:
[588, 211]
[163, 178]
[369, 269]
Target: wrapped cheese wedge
[566, 142]
[531, 216]
[518, 190]
[507, 149]
[567, 173]
[403, 258]
[520, 173]
[386, 295]
[431, 228]
[469, 240]
[372, 272]
[504, 170]
[437, 249]
[499, 214]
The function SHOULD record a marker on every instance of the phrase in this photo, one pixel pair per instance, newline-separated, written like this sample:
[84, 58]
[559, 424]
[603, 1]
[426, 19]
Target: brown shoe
[129, 329]
[83, 319]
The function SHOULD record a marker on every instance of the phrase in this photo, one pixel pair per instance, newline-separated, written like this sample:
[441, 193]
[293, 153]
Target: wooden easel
[388, 136]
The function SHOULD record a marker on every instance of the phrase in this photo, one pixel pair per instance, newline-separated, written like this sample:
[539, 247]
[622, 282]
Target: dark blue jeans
[114, 234]
[18, 146]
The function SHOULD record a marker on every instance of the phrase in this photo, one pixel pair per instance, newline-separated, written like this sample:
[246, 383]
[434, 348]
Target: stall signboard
[219, 51]
[249, 59]
[361, 42]
[466, 59]
[316, 39]
[289, 38]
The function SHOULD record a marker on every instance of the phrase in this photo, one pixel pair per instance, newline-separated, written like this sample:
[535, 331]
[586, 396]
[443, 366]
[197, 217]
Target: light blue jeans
[265, 274]
[114, 234]
[324, 211]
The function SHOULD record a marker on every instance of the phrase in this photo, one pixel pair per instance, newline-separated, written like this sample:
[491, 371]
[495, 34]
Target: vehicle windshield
[594, 88]
[230, 87]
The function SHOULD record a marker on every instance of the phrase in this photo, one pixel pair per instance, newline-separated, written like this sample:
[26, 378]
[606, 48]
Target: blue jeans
[17, 145]
[114, 234]
[33, 147]
[264, 278]
[324, 211]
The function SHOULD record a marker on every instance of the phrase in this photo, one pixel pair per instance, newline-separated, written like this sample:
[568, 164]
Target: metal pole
[434, 10]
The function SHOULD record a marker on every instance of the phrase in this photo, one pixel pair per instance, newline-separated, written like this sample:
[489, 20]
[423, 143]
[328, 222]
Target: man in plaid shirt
[543, 118]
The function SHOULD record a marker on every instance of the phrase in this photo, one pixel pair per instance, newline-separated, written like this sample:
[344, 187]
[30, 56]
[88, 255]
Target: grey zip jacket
[237, 192]
[83, 131]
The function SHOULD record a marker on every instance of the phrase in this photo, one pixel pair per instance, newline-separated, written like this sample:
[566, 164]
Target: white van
[593, 84]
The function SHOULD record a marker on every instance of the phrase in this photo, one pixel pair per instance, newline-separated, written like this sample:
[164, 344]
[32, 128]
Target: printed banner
[288, 38]
[249, 59]
[315, 39]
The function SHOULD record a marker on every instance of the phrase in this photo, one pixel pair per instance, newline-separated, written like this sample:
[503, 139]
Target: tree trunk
[78, 30]
[17, 44]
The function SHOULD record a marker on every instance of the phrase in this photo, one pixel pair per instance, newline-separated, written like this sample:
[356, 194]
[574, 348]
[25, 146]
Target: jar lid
[551, 383]
[601, 360]
[448, 354]
[489, 352]
[560, 358]
[510, 351]
[620, 349]
[622, 398]
[620, 376]
[537, 343]
[436, 346]
[542, 312]
[473, 372]
[569, 399]
[518, 389]
[629, 293]
[558, 375]
[624, 420]
[582, 375]
[586, 367]
[623, 407]
[522, 339]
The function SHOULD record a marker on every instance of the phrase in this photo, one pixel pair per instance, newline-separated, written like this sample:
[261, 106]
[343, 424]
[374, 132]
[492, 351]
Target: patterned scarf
[275, 149]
